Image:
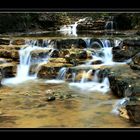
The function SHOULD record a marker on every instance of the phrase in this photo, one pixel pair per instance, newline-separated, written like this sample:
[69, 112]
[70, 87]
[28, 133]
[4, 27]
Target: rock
[4, 41]
[49, 91]
[38, 55]
[90, 24]
[126, 50]
[18, 42]
[55, 54]
[124, 82]
[69, 43]
[51, 98]
[96, 62]
[63, 52]
[82, 55]
[133, 112]
[14, 54]
[72, 59]
[57, 60]
[11, 47]
[135, 63]
[8, 70]
[50, 70]
[123, 113]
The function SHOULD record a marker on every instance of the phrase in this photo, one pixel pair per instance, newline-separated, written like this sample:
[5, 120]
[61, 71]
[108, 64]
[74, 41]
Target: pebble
[50, 98]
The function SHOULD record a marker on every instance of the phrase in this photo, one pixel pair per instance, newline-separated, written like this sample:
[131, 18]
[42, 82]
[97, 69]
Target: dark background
[69, 5]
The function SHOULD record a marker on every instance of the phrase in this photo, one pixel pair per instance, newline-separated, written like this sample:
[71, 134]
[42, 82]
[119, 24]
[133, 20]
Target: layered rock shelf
[76, 57]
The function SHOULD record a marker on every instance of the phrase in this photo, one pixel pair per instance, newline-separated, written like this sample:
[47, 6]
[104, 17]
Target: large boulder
[126, 50]
[135, 63]
[124, 82]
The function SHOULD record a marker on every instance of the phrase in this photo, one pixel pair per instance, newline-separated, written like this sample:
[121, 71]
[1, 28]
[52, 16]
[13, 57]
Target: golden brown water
[25, 106]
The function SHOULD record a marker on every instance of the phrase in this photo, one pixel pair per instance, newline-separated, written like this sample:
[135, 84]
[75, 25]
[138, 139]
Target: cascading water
[86, 86]
[71, 29]
[95, 78]
[25, 62]
[107, 51]
[60, 78]
[62, 73]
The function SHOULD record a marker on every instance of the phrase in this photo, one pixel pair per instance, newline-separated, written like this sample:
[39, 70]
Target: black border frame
[81, 130]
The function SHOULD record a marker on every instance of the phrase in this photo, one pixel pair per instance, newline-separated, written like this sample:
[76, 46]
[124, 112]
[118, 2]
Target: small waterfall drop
[70, 30]
[25, 62]
[119, 103]
[62, 73]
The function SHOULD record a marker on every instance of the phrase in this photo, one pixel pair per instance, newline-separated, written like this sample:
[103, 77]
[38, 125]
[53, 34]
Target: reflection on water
[25, 105]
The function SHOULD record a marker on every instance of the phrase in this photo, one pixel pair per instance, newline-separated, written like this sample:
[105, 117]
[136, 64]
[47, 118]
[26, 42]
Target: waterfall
[71, 29]
[95, 78]
[107, 51]
[25, 62]
[86, 86]
[83, 79]
[73, 76]
[61, 73]
[109, 25]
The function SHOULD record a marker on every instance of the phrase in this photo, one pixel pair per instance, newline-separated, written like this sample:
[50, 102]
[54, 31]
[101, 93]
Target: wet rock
[4, 41]
[55, 54]
[123, 113]
[133, 111]
[124, 82]
[69, 43]
[72, 59]
[11, 47]
[50, 70]
[96, 62]
[103, 73]
[126, 50]
[51, 98]
[82, 55]
[9, 54]
[57, 60]
[64, 52]
[18, 42]
[135, 63]
[8, 70]
[38, 55]
[90, 24]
